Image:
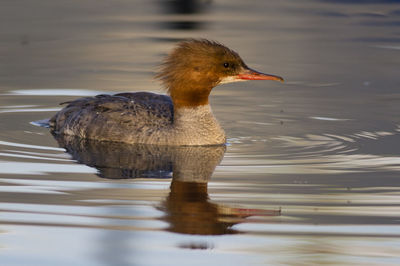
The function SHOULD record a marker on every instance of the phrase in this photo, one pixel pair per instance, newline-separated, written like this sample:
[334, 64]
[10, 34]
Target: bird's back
[124, 117]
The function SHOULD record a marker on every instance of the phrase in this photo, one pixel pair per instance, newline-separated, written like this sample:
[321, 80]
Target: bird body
[183, 118]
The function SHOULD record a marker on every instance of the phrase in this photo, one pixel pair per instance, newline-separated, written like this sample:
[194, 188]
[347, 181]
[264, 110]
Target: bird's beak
[250, 74]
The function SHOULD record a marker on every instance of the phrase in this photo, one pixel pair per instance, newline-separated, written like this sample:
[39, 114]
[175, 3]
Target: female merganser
[184, 118]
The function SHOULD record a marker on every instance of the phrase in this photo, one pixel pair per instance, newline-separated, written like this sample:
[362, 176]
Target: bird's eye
[226, 65]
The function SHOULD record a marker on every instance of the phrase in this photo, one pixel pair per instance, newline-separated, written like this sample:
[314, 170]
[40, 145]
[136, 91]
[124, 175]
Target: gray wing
[118, 117]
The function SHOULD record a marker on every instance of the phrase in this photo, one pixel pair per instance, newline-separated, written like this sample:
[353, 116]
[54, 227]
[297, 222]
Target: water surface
[310, 174]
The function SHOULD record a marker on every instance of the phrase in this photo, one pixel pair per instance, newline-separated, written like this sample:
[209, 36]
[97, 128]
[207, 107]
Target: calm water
[311, 174]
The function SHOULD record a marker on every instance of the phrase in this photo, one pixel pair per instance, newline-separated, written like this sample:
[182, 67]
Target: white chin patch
[230, 79]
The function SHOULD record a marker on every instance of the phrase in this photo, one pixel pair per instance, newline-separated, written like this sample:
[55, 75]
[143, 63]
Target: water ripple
[30, 146]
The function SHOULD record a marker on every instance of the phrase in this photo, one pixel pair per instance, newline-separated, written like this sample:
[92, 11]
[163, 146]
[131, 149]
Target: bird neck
[189, 95]
[193, 115]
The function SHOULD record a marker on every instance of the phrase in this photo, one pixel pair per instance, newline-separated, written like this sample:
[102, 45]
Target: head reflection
[187, 208]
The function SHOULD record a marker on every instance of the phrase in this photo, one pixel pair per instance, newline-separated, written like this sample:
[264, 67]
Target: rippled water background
[311, 174]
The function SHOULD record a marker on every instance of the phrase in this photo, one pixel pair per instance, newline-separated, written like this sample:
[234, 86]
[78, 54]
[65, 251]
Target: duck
[183, 116]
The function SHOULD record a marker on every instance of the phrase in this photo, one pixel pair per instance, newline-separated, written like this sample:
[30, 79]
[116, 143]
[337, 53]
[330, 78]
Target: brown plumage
[194, 67]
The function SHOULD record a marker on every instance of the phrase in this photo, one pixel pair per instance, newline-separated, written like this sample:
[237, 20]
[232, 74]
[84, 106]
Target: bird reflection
[187, 208]
[189, 211]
